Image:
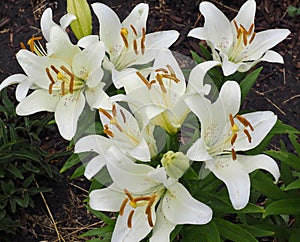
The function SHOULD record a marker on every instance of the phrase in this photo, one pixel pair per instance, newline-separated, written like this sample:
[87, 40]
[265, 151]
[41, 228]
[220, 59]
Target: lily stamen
[105, 113]
[51, 80]
[123, 116]
[252, 37]
[123, 205]
[133, 29]
[161, 70]
[143, 39]
[244, 121]
[135, 47]
[246, 132]
[233, 139]
[145, 81]
[129, 220]
[107, 131]
[134, 203]
[31, 42]
[124, 34]
[161, 84]
[71, 84]
[233, 154]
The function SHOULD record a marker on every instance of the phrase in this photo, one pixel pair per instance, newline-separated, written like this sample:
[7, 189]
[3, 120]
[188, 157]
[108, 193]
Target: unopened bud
[82, 25]
[176, 164]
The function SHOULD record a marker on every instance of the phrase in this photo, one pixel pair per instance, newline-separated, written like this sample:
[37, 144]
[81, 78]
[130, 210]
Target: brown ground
[277, 88]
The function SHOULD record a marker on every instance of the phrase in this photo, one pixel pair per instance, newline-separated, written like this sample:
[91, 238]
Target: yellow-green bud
[82, 26]
[176, 164]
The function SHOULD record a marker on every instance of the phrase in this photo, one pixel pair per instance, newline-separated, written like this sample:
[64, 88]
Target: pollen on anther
[124, 33]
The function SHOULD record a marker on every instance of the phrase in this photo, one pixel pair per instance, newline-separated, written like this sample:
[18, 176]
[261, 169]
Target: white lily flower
[127, 43]
[135, 191]
[123, 129]
[235, 44]
[158, 99]
[63, 80]
[224, 133]
[47, 23]
[123, 132]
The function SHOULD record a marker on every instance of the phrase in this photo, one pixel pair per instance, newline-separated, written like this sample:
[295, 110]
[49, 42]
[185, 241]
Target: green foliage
[22, 162]
[293, 11]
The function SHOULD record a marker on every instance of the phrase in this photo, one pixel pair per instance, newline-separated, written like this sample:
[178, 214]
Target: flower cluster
[146, 184]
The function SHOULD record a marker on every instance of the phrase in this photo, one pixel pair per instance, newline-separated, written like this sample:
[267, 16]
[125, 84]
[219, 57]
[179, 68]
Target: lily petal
[60, 46]
[163, 227]
[197, 77]
[198, 151]
[67, 113]
[39, 100]
[137, 17]
[180, 207]
[94, 166]
[47, 23]
[13, 79]
[106, 199]
[217, 26]
[22, 89]
[97, 98]
[262, 123]
[236, 178]
[246, 14]
[252, 163]
[110, 28]
[262, 42]
[140, 226]
[272, 56]
[126, 174]
[88, 40]
[229, 67]
[93, 143]
[66, 20]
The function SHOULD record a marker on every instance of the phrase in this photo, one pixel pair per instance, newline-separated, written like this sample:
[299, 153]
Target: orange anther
[233, 154]
[252, 37]
[105, 113]
[160, 81]
[123, 206]
[133, 29]
[143, 79]
[135, 47]
[231, 120]
[233, 139]
[246, 132]
[129, 220]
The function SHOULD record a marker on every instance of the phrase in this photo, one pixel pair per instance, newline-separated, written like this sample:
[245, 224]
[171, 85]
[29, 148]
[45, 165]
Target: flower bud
[82, 25]
[175, 164]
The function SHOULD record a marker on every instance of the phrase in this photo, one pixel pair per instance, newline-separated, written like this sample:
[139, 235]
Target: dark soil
[277, 88]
